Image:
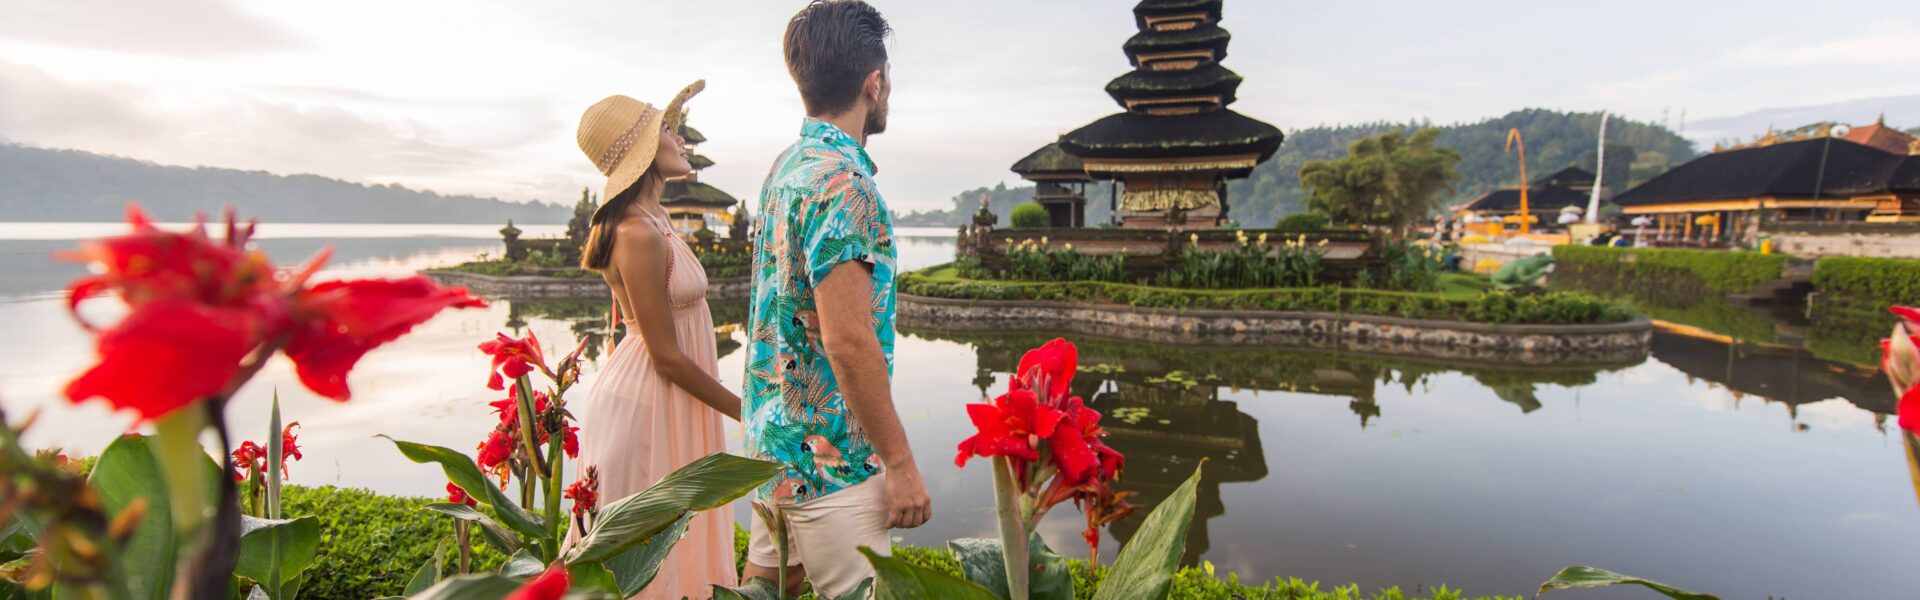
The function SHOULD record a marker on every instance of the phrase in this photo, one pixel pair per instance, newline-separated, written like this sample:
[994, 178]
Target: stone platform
[535, 287]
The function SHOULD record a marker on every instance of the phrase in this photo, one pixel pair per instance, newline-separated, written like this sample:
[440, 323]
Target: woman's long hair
[598, 252]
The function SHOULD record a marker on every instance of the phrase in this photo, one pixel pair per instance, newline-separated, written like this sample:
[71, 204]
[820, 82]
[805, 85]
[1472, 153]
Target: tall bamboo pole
[1513, 139]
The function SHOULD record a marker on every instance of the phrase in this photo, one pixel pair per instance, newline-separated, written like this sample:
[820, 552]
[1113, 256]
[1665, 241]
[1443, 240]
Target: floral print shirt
[819, 208]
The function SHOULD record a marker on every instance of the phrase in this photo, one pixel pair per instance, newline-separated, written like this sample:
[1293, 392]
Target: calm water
[1742, 469]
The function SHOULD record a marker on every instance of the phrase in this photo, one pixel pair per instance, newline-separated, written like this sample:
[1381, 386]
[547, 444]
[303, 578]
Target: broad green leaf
[176, 448]
[1582, 576]
[428, 574]
[487, 586]
[462, 471]
[595, 578]
[276, 455]
[522, 565]
[1146, 565]
[900, 580]
[755, 589]
[863, 591]
[634, 569]
[297, 542]
[15, 541]
[490, 531]
[981, 561]
[128, 471]
[707, 483]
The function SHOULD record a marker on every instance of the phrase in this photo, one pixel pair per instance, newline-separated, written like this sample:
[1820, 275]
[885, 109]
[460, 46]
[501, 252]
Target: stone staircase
[1792, 288]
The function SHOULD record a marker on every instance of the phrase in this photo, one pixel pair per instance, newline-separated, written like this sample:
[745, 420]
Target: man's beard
[876, 120]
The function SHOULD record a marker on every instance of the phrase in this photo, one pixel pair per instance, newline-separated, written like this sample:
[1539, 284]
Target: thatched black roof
[1822, 167]
[1155, 8]
[1568, 177]
[1210, 80]
[1050, 159]
[1203, 37]
[1553, 198]
[693, 194]
[1133, 135]
[699, 162]
[691, 135]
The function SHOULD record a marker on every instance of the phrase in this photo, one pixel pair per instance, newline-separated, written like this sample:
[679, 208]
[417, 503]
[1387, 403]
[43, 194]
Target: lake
[1741, 469]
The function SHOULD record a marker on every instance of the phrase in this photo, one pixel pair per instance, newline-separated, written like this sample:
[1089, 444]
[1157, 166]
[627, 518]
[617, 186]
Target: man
[820, 353]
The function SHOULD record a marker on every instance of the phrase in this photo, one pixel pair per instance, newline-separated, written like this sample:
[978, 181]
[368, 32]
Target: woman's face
[670, 160]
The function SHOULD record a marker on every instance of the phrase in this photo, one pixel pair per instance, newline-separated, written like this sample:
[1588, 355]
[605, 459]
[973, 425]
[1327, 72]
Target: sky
[483, 96]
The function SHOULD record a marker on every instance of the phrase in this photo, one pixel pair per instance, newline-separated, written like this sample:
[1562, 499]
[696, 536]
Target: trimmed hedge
[1870, 284]
[1612, 270]
[370, 544]
[1557, 308]
[1029, 216]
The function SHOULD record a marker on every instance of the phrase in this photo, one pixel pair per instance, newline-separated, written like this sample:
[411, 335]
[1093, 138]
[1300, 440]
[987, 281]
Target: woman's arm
[641, 259]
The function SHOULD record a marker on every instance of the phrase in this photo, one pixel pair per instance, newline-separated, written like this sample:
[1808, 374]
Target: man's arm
[844, 299]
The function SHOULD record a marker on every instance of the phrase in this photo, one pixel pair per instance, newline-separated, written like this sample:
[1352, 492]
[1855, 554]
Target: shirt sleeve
[848, 223]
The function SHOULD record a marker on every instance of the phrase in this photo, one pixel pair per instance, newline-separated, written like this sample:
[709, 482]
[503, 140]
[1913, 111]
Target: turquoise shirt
[818, 208]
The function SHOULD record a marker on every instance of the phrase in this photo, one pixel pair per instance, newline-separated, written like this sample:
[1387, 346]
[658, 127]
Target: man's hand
[908, 505]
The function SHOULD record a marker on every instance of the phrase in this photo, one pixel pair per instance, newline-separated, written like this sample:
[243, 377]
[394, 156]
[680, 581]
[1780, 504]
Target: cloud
[35, 105]
[191, 28]
[1886, 43]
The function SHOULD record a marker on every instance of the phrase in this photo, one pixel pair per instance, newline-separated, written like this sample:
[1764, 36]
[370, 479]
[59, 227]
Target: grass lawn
[1463, 286]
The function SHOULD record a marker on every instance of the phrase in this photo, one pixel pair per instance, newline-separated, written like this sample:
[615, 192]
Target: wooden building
[1060, 184]
[1726, 197]
[692, 205]
[1177, 144]
[1546, 198]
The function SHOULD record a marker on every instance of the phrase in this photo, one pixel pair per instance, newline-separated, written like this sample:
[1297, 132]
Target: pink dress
[637, 427]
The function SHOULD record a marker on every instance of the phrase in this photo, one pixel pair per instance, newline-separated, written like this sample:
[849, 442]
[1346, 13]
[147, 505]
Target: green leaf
[463, 472]
[522, 565]
[15, 541]
[486, 586]
[594, 577]
[1146, 565]
[635, 568]
[1582, 576]
[755, 589]
[707, 483]
[127, 472]
[288, 545]
[865, 591]
[429, 573]
[981, 561]
[276, 455]
[499, 537]
[900, 580]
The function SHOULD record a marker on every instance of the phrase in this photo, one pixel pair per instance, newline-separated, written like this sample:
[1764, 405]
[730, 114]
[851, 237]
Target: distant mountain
[38, 184]
[1636, 151]
[1745, 127]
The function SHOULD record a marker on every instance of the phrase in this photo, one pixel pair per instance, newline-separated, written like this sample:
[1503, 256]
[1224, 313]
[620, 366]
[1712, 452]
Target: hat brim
[636, 163]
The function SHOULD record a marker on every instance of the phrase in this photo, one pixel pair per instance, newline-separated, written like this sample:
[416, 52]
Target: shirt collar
[839, 140]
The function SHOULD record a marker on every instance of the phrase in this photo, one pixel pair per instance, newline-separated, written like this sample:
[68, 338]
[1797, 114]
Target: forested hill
[38, 184]
[1636, 151]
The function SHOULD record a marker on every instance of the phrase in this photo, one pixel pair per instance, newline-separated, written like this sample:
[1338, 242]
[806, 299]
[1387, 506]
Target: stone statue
[510, 232]
[742, 222]
[1523, 272]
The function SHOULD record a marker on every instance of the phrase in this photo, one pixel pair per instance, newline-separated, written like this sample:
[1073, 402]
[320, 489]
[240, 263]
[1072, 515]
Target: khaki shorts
[825, 534]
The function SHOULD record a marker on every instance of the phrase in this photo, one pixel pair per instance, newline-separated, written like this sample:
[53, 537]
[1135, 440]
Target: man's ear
[870, 89]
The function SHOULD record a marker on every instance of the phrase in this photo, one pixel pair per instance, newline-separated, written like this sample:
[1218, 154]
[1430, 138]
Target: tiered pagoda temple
[689, 202]
[1177, 144]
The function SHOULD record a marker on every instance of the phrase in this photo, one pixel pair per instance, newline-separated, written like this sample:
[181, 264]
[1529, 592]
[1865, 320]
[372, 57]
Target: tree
[582, 221]
[1388, 180]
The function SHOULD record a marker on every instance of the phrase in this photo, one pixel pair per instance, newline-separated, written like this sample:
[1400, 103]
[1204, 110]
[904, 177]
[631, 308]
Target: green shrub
[1411, 267]
[1029, 216]
[1867, 284]
[1030, 261]
[1304, 221]
[370, 544]
[1680, 273]
[1558, 308]
[1249, 264]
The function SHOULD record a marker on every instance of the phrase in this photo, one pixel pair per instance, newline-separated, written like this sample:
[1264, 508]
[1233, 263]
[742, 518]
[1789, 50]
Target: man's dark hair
[831, 46]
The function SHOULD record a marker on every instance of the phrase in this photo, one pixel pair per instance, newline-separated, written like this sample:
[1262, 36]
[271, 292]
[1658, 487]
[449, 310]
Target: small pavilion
[1060, 184]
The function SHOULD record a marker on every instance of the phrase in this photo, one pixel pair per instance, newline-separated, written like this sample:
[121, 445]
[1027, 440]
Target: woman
[656, 405]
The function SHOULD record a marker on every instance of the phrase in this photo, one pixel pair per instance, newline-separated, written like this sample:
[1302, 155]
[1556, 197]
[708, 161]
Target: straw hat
[620, 135]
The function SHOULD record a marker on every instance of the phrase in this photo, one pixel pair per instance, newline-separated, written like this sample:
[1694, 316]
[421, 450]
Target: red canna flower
[1102, 505]
[494, 451]
[1009, 427]
[1048, 370]
[1077, 448]
[571, 443]
[199, 307]
[247, 459]
[340, 321]
[1908, 314]
[512, 359]
[585, 493]
[456, 495]
[548, 586]
[289, 444]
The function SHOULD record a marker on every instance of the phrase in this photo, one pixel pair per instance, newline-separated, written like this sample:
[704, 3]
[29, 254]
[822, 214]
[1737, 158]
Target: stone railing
[1609, 344]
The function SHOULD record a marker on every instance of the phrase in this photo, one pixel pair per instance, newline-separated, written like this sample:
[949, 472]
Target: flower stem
[524, 404]
[1013, 534]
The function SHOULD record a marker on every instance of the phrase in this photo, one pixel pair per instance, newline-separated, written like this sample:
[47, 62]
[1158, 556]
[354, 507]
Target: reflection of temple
[1182, 426]
[1773, 373]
